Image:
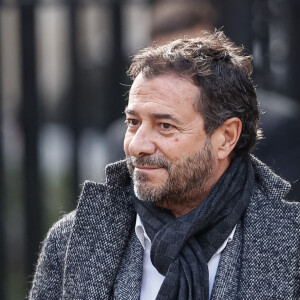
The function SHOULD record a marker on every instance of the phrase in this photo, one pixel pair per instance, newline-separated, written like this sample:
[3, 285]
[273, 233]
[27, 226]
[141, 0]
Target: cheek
[172, 148]
[179, 147]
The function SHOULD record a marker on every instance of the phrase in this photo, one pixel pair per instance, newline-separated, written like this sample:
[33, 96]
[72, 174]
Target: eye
[166, 125]
[132, 122]
[166, 128]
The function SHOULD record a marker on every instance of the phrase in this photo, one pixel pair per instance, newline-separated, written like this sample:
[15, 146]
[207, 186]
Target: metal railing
[247, 22]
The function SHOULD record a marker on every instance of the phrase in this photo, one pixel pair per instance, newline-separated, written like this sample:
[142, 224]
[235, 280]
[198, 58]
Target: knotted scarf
[181, 247]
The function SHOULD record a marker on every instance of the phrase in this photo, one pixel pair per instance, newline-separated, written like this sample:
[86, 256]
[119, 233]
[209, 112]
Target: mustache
[158, 161]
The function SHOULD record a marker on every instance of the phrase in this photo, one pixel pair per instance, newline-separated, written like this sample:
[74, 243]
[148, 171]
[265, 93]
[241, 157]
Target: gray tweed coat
[92, 253]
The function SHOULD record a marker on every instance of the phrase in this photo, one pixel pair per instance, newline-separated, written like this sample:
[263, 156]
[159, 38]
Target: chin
[148, 192]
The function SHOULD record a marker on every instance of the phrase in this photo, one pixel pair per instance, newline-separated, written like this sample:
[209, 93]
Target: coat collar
[101, 230]
[262, 260]
[271, 230]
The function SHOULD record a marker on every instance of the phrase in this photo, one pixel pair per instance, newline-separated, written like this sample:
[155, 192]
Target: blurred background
[63, 89]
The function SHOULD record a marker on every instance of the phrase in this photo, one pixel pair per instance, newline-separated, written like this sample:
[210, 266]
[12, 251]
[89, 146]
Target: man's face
[169, 155]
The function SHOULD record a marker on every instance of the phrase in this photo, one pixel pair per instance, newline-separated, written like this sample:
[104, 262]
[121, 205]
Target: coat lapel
[101, 230]
[128, 282]
[227, 277]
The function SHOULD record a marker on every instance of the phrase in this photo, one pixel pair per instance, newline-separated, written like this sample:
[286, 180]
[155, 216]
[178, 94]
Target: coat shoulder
[61, 229]
[49, 270]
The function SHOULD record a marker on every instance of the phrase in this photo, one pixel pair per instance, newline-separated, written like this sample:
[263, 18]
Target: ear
[229, 133]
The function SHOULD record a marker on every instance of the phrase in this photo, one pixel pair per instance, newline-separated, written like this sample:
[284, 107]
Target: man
[190, 214]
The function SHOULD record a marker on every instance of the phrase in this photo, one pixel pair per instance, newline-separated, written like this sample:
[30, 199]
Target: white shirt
[152, 279]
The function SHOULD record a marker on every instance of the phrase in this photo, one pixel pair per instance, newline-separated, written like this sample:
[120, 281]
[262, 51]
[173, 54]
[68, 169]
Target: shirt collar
[142, 235]
[228, 240]
[141, 232]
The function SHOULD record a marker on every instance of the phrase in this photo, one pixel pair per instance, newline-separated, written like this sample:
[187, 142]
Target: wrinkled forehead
[164, 94]
[167, 83]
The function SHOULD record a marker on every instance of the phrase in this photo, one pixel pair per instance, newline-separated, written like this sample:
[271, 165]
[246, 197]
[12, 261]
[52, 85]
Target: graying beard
[169, 192]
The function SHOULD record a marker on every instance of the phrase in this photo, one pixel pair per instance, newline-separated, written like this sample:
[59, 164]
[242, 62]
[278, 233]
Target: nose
[141, 143]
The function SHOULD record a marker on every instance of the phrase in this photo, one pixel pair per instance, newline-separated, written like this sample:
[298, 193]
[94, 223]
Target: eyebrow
[130, 111]
[165, 116]
[154, 115]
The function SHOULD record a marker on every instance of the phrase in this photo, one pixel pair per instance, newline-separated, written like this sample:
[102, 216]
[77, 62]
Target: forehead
[168, 91]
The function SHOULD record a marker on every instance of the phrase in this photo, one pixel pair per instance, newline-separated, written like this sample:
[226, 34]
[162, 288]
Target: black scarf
[181, 247]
